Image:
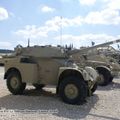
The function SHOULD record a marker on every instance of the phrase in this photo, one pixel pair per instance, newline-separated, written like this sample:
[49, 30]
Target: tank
[107, 66]
[47, 65]
[110, 51]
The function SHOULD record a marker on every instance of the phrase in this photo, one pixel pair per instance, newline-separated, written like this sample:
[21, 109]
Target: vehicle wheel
[90, 92]
[38, 86]
[72, 90]
[14, 83]
[105, 77]
[111, 78]
[94, 88]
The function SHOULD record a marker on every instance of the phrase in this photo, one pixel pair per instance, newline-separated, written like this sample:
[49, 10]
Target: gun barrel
[107, 43]
[93, 47]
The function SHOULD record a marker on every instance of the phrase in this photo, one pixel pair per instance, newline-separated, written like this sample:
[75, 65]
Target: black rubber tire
[94, 88]
[81, 87]
[106, 74]
[111, 78]
[21, 86]
[38, 86]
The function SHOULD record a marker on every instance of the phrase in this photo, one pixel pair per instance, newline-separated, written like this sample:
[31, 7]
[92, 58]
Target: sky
[58, 22]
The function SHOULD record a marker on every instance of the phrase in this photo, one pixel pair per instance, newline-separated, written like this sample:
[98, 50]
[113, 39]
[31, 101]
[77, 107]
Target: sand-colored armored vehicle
[4, 52]
[106, 66]
[47, 65]
[110, 51]
[1, 61]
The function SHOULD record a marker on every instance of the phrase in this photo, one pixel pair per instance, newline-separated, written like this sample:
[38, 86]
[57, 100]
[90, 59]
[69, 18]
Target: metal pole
[61, 30]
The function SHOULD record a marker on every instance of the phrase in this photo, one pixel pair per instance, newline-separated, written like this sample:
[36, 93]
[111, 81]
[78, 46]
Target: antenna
[61, 30]
[118, 46]
[28, 42]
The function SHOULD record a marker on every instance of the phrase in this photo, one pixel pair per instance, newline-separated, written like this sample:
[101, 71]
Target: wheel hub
[101, 79]
[14, 82]
[71, 91]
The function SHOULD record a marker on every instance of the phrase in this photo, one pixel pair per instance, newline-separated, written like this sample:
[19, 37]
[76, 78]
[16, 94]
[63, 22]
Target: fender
[82, 73]
[104, 67]
[63, 70]
[92, 73]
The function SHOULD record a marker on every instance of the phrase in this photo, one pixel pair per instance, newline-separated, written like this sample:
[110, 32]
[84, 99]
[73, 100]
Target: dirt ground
[45, 104]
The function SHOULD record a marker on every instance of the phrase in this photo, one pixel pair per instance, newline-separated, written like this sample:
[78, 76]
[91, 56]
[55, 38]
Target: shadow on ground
[45, 100]
[102, 116]
[112, 86]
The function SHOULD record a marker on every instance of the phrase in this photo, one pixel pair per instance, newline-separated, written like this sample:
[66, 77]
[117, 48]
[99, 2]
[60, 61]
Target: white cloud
[65, 21]
[106, 17]
[31, 31]
[112, 4]
[109, 15]
[35, 33]
[87, 2]
[85, 39]
[53, 25]
[3, 14]
[47, 9]
[5, 45]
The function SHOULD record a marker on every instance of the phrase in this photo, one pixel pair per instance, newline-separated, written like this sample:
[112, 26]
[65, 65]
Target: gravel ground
[36, 105]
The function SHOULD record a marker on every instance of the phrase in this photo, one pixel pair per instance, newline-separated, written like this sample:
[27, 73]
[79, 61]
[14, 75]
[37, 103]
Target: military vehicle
[106, 66]
[110, 51]
[1, 61]
[106, 69]
[4, 52]
[48, 65]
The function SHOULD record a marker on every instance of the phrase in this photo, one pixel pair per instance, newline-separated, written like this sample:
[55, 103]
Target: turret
[41, 51]
[53, 52]
[84, 50]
